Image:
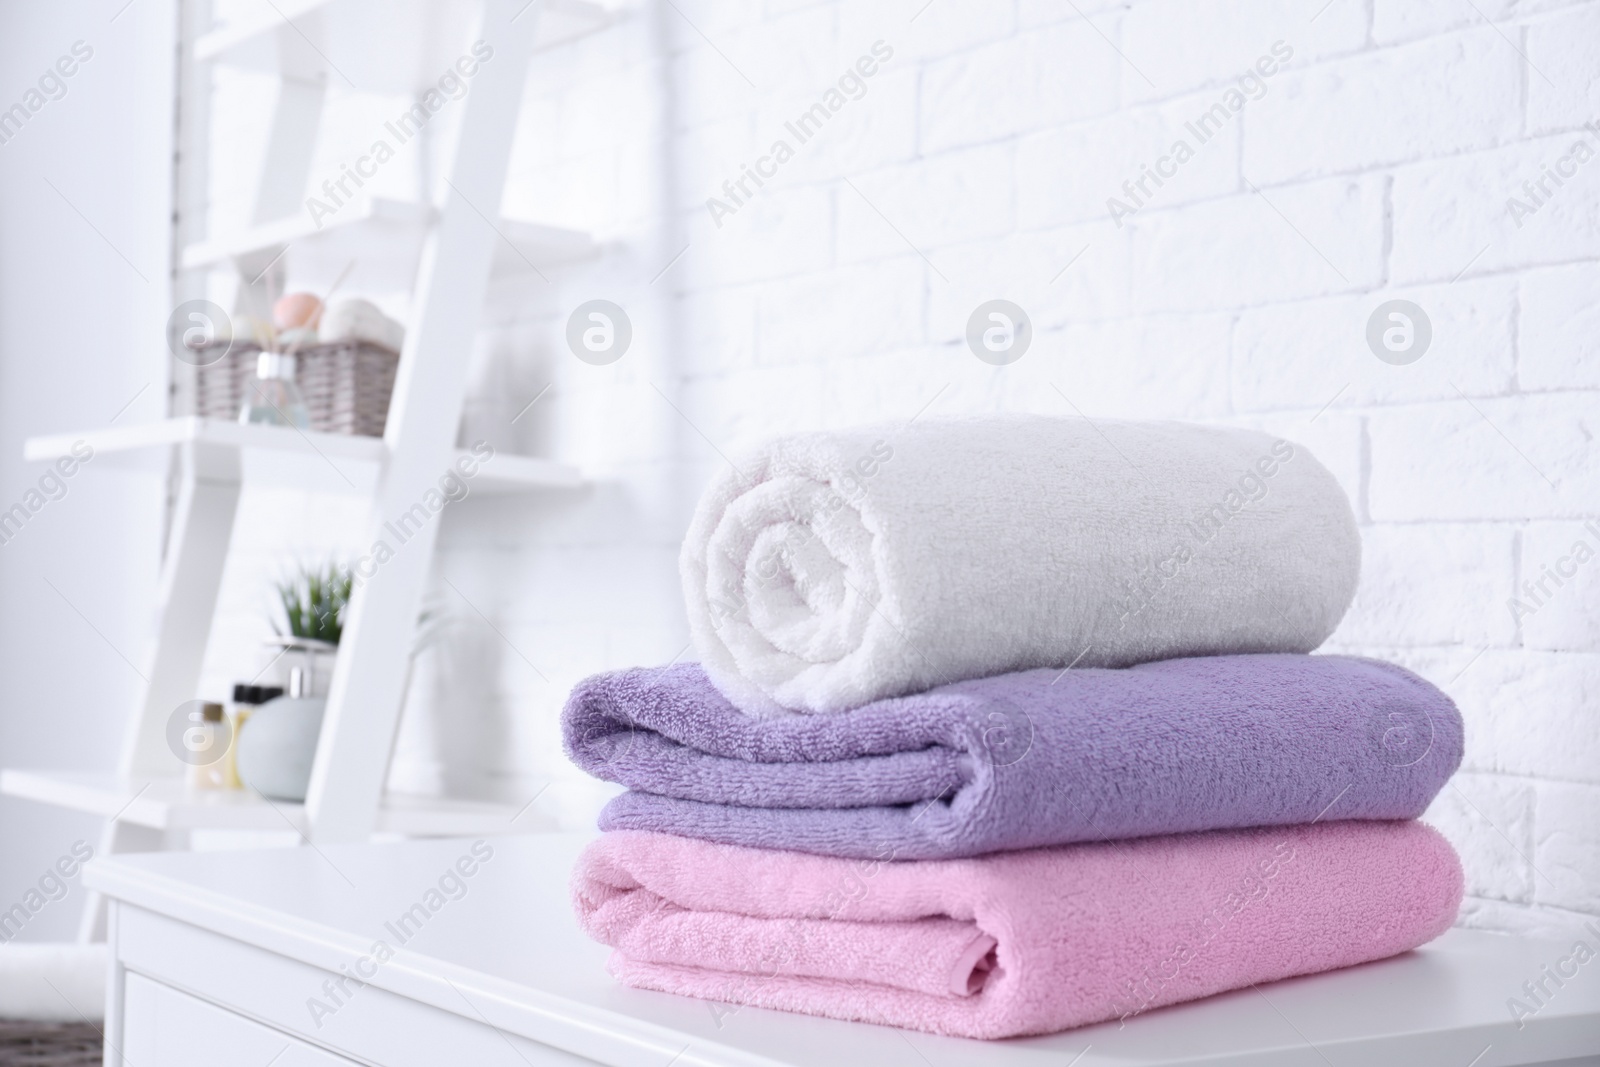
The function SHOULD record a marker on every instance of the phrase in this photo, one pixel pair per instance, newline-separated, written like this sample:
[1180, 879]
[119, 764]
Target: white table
[216, 957]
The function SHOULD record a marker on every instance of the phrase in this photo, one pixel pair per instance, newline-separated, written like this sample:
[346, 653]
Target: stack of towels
[1007, 725]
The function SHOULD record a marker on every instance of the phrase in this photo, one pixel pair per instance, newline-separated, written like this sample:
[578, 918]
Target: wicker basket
[346, 385]
[26, 1044]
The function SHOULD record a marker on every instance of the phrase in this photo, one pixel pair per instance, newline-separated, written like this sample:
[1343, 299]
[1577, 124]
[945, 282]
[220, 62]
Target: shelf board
[281, 455]
[394, 46]
[382, 238]
[168, 804]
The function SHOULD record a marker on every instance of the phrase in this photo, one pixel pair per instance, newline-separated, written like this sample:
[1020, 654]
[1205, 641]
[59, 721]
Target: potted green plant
[314, 600]
[278, 743]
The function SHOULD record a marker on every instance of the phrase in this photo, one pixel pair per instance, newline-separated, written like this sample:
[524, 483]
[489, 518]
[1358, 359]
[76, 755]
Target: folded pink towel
[1018, 942]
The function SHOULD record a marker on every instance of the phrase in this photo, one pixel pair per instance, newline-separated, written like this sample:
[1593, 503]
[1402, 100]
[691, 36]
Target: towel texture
[1022, 760]
[1018, 943]
[832, 569]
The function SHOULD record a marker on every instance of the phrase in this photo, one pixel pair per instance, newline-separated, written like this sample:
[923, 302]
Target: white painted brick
[1564, 85]
[1558, 329]
[993, 149]
[505, 380]
[1181, 45]
[739, 413]
[590, 418]
[1057, 276]
[522, 310]
[1068, 173]
[850, 311]
[1528, 714]
[1567, 847]
[1490, 821]
[1486, 459]
[1123, 368]
[639, 199]
[693, 20]
[1403, 20]
[351, 123]
[707, 86]
[777, 233]
[875, 131]
[1046, 12]
[594, 112]
[1531, 713]
[651, 643]
[1438, 97]
[1105, 369]
[588, 190]
[627, 45]
[1279, 244]
[917, 32]
[1451, 216]
[950, 198]
[1442, 667]
[546, 659]
[1432, 584]
[797, 51]
[1549, 924]
[719, 329]
[713, 153]
[894, 387]
[1306, 354]
[1032, 80]
[595, 584]
[1333, 437]
[1560, 585]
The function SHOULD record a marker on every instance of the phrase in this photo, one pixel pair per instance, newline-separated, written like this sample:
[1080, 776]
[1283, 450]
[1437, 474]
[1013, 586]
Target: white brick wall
[1376, 164]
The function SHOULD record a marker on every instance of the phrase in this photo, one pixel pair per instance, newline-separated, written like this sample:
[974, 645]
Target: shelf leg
[187, 599]
[365, 695]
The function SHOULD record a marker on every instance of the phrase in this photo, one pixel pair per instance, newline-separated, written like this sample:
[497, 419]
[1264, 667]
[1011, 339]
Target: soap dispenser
[279, 742]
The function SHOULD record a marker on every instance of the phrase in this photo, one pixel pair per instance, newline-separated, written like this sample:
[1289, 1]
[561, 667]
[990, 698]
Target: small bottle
[272, 397]
[210, 741]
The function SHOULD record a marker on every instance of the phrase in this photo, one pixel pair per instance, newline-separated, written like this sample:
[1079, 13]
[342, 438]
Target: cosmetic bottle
[209, 740]
[272, 397]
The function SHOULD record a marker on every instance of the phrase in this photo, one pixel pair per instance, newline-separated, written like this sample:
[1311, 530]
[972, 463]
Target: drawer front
[272, 993]
[166, 1027]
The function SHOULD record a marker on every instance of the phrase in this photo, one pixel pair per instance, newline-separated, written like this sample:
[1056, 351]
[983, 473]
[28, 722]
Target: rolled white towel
[832, 569]
[355, 319]
[51, 981]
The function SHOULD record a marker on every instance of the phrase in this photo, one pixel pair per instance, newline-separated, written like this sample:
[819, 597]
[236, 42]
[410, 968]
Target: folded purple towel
[1021, 760]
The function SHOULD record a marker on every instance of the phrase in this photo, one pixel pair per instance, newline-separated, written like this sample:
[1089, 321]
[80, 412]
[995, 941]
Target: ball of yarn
[296, 310]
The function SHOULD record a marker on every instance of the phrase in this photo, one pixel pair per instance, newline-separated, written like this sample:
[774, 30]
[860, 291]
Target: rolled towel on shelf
[1018, 943]
[52, 981]
[355, 319]
[1022, 760]
[831, 569]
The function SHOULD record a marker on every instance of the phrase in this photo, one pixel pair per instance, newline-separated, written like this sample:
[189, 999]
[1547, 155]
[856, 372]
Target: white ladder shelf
[449, 250]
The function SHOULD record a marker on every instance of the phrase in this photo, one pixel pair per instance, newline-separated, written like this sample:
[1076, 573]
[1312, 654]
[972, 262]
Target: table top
[508, 933]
